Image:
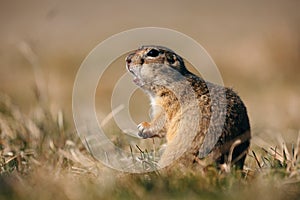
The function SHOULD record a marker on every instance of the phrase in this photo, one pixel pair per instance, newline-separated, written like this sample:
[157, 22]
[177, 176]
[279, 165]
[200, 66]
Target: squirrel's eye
[153, 53]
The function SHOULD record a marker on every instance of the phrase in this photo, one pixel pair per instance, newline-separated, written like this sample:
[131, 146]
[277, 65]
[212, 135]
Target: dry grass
[40, 158]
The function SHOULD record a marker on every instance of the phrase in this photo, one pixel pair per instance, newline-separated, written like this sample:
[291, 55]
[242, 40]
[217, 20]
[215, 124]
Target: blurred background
[255, 44]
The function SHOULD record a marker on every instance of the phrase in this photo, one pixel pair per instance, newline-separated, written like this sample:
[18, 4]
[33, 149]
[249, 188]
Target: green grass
[41, 157]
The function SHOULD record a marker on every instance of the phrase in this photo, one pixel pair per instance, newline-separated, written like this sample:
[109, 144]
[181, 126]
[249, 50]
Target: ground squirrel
[162, 74]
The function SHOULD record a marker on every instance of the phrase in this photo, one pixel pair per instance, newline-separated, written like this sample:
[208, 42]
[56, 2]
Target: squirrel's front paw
[145, 130]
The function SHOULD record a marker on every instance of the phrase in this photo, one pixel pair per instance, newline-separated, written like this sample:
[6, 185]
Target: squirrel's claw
[144, 130]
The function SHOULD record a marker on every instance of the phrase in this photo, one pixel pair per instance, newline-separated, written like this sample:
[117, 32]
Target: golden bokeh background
[255, 44]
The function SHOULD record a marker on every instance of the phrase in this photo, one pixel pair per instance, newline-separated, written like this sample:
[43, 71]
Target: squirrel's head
[155, 65]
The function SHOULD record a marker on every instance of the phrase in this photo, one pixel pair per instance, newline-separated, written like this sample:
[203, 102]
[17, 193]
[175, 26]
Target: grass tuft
[41, 157]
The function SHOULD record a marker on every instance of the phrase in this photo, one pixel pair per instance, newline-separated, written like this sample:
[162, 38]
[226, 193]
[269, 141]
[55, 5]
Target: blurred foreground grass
[42, 158]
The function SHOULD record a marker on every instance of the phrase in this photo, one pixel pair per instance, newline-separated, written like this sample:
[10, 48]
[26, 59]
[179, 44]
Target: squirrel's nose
[128, 60]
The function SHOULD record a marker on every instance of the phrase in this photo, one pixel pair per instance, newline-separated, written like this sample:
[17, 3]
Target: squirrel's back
[198, 118]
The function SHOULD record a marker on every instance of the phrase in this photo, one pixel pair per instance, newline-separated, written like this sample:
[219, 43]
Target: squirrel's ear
[171, 58]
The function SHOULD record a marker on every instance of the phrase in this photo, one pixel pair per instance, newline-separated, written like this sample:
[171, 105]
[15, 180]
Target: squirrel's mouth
[132, 69]
[135, 71]
[136, 80]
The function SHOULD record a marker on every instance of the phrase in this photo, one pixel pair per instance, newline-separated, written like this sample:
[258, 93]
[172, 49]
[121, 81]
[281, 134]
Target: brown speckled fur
[153, 75]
